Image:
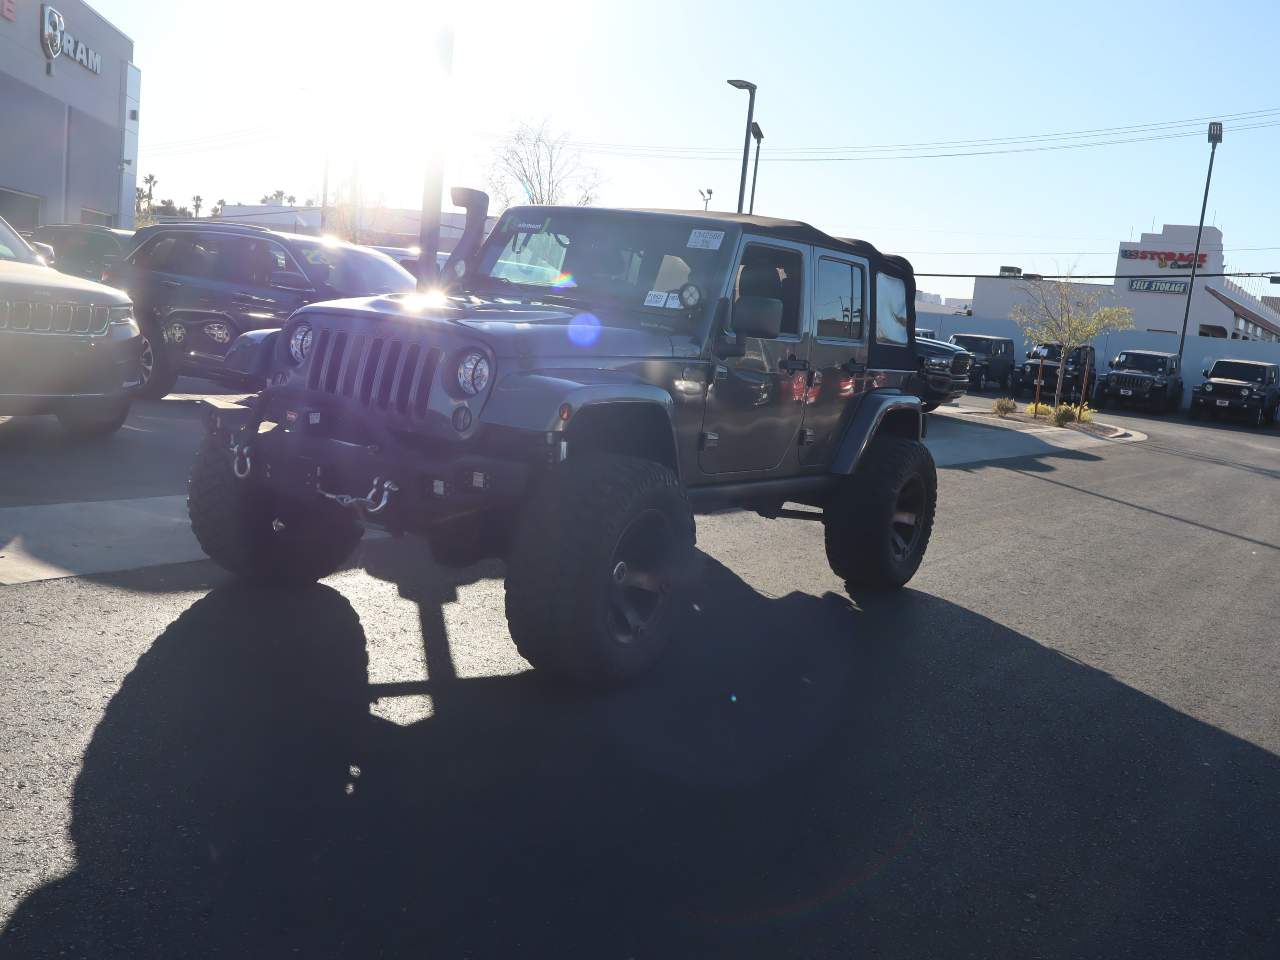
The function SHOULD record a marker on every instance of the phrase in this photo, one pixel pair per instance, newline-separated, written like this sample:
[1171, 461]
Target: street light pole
[706, 197]
[750, 87]
[759, 135]
[1215, 138]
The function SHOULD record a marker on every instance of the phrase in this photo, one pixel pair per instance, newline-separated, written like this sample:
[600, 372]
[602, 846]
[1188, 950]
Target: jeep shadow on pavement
[1145, 378]
[584, 380]
[1246, 389]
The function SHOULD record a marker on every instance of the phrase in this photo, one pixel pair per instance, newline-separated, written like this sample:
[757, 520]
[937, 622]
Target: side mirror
[757, 317]
[1111, 364]
[288, 280]
[45, 251]
[1028, 354]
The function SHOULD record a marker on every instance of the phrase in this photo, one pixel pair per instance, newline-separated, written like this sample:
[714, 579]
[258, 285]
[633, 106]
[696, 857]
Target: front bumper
[426, 481]
[1210, 403]
[45, 372]
[941, 386]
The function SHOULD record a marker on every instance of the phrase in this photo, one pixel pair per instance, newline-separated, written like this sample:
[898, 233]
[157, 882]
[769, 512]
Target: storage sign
[1158, 286]
[57, 40]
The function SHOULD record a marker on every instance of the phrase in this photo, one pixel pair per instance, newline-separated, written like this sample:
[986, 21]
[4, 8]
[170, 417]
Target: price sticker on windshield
[705, 239]
[656, 298]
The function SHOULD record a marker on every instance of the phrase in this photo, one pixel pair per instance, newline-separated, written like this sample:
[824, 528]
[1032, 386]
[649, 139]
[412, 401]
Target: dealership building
[68, 116]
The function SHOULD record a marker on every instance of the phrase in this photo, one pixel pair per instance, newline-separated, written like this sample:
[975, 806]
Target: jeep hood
[22, 281]
[513, 329]
[937, 348]
[1228, 382]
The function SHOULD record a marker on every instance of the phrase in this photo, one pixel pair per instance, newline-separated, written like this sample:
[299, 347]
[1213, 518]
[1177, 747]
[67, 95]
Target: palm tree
[218, 208]
[150, 181]
[195, 204]
[291, 199]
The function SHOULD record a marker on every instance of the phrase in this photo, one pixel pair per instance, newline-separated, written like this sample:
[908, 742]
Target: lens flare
[564, 281]
[584, 329]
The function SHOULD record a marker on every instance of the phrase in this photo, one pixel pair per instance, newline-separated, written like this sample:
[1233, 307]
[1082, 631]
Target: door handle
[793, 365]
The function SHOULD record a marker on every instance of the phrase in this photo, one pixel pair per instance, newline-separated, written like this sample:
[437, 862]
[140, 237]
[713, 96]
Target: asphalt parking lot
[1060, 741]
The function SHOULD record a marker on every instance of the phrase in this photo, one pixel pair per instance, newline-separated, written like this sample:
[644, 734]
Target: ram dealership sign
[57, 41]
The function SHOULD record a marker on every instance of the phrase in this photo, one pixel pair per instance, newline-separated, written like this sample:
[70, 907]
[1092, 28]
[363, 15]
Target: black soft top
[796, 231]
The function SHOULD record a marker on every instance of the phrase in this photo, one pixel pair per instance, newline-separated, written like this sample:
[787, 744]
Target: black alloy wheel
[642, 570]
[906, 526]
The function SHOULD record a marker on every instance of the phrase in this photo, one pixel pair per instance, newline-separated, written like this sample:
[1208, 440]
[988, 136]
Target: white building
[378, 226]
[1151, 279]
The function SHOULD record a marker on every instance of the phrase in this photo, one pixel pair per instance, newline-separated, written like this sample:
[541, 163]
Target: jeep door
[838, 377]
[262, 284]
[755, 402]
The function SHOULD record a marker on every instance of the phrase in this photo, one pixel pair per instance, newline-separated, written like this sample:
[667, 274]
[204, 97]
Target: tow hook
[241, 460]
[374, 502]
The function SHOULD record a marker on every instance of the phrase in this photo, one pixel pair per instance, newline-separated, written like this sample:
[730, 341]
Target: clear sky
[241, 97]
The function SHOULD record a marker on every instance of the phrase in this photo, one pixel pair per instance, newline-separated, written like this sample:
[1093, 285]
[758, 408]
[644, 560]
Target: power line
[1093, 276]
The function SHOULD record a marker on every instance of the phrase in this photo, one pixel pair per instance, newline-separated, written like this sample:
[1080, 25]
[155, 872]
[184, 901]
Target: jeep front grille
[960, 365]
[43, 316]
[1128, 381]
[376, 372]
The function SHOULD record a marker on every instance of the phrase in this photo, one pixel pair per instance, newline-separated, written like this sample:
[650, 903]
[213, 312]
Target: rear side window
[891, 309]
[838, 301]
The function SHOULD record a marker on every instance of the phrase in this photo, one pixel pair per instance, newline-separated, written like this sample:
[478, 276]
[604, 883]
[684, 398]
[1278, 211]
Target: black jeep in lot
[942, 372]
[583, 382]
[68, 346]
[992, 359]
[1141, 378]
[1239, 388]
[198, 285]
[1044, 361]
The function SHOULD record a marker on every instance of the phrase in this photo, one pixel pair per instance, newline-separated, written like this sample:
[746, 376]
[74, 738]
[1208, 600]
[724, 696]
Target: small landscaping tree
[1060, 311]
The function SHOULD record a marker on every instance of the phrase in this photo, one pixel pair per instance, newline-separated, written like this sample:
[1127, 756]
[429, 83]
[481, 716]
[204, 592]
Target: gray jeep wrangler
[567, 397]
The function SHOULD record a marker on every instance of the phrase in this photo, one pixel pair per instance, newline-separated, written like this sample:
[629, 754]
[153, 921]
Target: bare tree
[535, 165]
[1069, 314]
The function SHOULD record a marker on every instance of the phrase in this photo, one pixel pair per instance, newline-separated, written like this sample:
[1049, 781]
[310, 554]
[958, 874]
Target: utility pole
[706, 197]
[1215, 138]
[324, 194]
[750, 87]
[759, 135]
[433, 181]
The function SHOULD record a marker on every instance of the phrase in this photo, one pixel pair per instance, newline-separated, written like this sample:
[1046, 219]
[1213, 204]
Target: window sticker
[656, 298]
[673, 301]
[705, 239]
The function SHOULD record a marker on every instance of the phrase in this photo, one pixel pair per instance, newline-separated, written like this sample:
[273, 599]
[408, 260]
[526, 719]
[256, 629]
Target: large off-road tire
[234, 522]
[879, 521]
[602, 548]
[159, 366]
[87, 421]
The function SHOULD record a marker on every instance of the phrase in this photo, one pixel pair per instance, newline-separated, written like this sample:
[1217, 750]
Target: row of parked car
[169, 299]
[1146, 379]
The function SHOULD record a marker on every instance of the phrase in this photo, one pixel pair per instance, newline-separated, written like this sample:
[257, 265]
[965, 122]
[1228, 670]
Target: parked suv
[942, 372]
[992, 359]
[197, 286]
[1141, 377]
[67, 346]
[1041, 369]
[669, 361]
[83, 249]
[1243, 388]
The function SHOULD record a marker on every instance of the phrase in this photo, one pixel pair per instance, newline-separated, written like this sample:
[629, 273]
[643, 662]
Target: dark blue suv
[197, 286]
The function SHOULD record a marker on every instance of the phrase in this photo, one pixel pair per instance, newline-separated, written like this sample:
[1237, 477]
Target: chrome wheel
[905, 527]
[640, 575]
[147, 360]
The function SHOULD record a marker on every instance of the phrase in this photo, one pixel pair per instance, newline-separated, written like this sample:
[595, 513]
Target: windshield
[1049, 351]
[636, 261]
[1235, 370]
[972, 344]
[12, 246]
[1141, 361]
[352, 271]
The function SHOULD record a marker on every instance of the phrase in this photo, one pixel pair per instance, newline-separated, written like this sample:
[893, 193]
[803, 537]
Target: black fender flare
[879, 411]
[251, 352]
[538, 402]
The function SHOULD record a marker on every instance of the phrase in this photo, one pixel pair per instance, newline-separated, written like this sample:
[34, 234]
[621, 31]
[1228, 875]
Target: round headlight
[300, 342]
[1208, 388]
[473, 373]
[690, 296]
